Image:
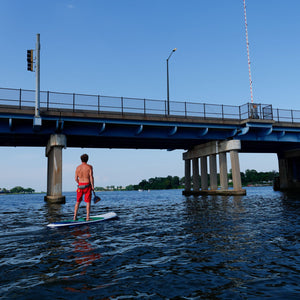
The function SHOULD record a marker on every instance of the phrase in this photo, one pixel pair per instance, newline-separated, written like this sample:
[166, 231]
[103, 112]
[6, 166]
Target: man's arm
[92, 177]
[76, 175]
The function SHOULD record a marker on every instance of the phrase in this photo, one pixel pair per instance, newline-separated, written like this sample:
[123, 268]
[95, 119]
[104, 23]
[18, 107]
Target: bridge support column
[223, 171]
[187, 174]
[54, 177]
[212, 149]
[289, 170]
[213, 172]
[196, 182]
[236, 173]
[283, 173]
[204, 179]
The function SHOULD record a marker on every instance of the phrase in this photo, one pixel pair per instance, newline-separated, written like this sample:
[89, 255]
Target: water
[164, 246]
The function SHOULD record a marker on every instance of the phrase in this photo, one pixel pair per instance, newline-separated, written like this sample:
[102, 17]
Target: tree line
[254, 177]
[158, 183]
[249, 177]
[17, 190]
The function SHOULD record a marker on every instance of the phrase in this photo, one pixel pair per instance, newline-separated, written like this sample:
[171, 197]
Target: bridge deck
[94, 129]
[120, 122]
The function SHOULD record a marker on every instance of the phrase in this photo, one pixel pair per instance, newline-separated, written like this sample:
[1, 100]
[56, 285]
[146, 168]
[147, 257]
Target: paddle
[96, 199]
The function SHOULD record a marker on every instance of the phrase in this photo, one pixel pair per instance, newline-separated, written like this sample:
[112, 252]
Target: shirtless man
[85, 179]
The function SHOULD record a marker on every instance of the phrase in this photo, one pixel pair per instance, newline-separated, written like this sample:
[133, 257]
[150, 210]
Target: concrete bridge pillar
[187, 174]
[212, 149]
[236, 173]
[289, 170]
[283, 173]
[223, 171]
[54, 173]
[196, 181]
[204, 178]
[213, 172]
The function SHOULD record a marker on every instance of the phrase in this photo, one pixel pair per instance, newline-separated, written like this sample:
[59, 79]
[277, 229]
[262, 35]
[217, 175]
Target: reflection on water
[83, 254]
[163, 246]
[83, 250]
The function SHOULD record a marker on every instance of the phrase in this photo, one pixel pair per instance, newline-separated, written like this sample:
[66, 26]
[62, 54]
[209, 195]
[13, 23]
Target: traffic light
[30, 60]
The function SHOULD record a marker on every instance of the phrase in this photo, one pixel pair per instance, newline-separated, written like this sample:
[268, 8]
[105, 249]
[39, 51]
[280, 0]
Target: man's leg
[76, 210]
[88, 207]
[88, 199]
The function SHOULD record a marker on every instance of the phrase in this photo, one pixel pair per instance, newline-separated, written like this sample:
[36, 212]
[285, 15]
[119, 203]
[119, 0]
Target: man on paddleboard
[85, 179]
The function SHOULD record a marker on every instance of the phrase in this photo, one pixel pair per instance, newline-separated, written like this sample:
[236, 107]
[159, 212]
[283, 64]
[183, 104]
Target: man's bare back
[84, 174]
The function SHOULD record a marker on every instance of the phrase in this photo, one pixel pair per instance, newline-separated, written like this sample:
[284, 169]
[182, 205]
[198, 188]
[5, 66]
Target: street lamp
[168, 98]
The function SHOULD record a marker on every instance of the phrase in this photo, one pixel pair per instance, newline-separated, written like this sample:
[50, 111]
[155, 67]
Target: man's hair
[84, 158]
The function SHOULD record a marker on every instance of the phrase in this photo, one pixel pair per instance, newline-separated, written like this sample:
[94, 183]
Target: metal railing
[55, 101]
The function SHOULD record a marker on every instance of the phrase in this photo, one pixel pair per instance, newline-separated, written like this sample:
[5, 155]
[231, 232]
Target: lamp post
[168, 98]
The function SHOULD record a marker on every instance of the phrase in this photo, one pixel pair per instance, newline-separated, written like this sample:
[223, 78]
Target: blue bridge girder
[91, 129]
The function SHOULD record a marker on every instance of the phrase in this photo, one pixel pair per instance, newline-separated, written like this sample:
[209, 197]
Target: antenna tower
[248, 54]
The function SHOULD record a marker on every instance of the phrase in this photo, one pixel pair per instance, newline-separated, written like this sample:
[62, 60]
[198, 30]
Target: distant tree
[157, 183]
[130, 187]
[29, 190]
[97, 188]
[254, 177]
[175, 181]
[19, 189]
[243, 178]
[251, 176]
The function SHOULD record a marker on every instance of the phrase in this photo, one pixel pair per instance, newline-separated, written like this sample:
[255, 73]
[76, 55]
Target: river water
[163, 246]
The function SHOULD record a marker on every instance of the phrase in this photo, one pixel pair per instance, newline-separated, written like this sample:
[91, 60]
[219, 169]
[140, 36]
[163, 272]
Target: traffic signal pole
[37, 76]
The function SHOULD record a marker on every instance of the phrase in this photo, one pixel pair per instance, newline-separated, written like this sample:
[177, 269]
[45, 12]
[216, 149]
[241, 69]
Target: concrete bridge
[205, 131]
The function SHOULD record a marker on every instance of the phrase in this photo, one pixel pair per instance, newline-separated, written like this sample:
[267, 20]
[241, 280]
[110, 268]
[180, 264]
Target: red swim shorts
[87, 192]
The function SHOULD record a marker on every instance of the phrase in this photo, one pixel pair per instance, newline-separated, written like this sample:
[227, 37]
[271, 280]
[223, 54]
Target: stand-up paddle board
[82, 221]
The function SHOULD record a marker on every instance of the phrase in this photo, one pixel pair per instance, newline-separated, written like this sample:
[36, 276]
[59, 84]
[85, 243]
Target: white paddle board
[82, 221]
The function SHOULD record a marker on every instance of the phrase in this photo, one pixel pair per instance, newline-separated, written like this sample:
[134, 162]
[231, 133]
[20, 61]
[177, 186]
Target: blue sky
[119, 48]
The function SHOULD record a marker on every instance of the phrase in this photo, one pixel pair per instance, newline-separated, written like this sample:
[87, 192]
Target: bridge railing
[286, 115]
[21, 98]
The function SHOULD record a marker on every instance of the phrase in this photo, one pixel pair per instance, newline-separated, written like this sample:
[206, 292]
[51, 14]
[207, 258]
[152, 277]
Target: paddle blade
[96, 199]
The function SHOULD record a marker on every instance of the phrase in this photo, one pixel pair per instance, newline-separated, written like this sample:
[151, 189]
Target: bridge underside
[92, 141]
[129, 142]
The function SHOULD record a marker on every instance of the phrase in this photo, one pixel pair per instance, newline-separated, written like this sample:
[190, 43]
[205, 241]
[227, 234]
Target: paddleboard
[82, 221]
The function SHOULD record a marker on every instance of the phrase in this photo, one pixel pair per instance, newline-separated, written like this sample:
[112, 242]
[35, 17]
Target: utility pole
[37, 121]
[168, 96]
[37, 76]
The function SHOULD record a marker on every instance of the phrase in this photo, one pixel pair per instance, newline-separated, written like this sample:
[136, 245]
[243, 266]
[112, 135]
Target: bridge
[203, 130]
